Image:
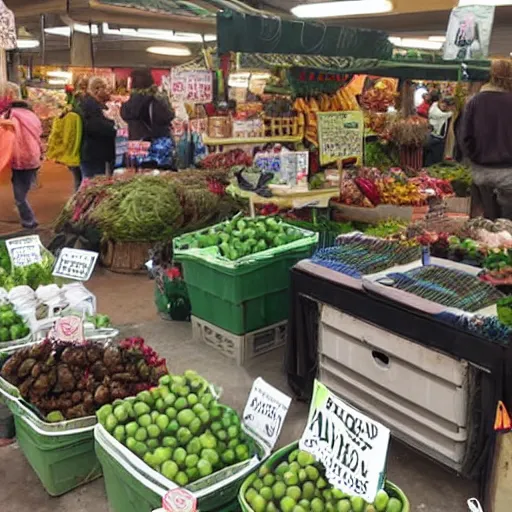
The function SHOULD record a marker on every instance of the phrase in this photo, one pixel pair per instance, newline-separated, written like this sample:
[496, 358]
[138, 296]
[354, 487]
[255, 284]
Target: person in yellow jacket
[65, 138]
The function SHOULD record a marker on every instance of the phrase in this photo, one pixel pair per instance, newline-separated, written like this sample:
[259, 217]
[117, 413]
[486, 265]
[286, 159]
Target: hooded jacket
[148, 117]
[27, 149]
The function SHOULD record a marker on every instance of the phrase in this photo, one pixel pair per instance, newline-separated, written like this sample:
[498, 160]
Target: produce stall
[368, 317]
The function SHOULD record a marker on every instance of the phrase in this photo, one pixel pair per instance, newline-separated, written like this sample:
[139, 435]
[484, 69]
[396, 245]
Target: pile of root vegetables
[66, 381]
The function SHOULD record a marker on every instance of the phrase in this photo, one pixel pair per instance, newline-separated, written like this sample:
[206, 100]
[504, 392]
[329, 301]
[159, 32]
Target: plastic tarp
[270, 34]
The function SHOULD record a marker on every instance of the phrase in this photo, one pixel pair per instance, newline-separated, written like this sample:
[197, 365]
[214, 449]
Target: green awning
[238, 32]
[180, 8]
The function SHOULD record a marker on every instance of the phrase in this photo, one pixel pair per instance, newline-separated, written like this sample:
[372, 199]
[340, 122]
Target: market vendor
[439, 117]
[485, 136]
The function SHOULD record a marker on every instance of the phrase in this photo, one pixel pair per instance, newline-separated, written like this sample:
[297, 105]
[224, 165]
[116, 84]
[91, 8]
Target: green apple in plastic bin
[12, 326]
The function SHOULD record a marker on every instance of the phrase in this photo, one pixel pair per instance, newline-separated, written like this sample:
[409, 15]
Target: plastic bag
[474, 505]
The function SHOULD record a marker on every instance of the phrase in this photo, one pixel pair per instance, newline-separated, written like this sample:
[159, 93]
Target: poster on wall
[469, 32]
[340, 136]
[191, 86]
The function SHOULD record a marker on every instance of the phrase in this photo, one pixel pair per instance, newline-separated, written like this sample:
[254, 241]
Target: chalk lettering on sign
[265, 411]
[351, 446]
[25, 250]
[75, 264]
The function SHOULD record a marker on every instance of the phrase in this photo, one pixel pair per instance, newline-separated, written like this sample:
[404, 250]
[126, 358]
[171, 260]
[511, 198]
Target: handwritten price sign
[265, 411]
[75, 264]
[192, 86]
[352, 447]
[24, 250]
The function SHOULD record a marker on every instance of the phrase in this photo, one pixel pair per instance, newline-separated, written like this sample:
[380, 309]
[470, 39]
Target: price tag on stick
[265, 411]
[24, 250]
[75, 264]
[68, 328]
[352, 447]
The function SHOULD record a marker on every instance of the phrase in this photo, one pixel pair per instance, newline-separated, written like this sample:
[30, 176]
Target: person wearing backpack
[149, 118]
[26, 152]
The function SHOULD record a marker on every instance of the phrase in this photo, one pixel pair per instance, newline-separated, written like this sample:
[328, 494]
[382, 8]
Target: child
[26, 154]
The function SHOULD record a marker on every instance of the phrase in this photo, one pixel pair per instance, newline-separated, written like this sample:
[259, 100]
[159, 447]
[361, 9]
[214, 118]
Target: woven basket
[125, 257]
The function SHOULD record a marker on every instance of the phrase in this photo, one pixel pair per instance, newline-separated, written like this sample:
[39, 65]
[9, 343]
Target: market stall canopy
[238, 32]
[300, 66]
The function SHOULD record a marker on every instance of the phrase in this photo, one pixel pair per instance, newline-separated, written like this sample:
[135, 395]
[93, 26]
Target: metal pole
[3, 66]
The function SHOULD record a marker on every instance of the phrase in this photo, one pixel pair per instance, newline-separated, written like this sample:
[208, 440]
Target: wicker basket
[125, 257]
[282, 126]
[219, 127]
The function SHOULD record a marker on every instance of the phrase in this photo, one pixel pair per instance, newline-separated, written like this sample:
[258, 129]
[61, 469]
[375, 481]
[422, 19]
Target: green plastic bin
[61, 461]
[283, 453]
[244, 295]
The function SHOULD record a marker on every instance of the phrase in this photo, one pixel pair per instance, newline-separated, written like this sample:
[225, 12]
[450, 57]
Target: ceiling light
[465, 3]
[27, 43]
[60, 74]
[66, 30]
[57, 81]
[169, 50]
[344, 8]
[437, 39]
[420, 44]
[159, 35]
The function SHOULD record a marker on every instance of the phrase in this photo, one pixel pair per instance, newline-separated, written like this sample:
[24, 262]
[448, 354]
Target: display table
[489, 369]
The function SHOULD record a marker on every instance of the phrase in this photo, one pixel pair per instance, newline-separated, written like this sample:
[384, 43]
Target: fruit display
[66, 381]
[226, 160]
[12, 326]
[179, 429]
[298, 484]
[447, 286]
[399, 192]
[357, 255]
[244, 236]
[458, 175]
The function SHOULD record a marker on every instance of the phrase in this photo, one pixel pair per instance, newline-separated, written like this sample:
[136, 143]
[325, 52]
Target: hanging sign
[7, 28]
[68, 328]
[191, 86]
[24, 250]
[469, 32]
[75, 264]
[352, 447]
[340, 136]
[294, 167]
[265, 411]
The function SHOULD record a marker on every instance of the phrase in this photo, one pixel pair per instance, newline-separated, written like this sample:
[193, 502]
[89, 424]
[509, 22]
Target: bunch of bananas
[343, 100]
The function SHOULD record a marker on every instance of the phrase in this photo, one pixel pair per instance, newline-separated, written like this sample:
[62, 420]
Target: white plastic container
[421, 394]
[241, 348]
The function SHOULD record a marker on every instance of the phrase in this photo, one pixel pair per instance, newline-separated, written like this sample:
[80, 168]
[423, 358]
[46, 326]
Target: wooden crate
[125, 257]
[281, 126]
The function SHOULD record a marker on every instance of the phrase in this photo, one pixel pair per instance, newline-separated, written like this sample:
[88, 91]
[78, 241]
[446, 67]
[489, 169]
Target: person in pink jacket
[26, 153]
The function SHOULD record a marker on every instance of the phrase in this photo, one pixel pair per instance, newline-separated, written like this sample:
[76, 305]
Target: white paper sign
[75, 264]
[265, 411]
[24, 250]
[68, 328]
[352, 447]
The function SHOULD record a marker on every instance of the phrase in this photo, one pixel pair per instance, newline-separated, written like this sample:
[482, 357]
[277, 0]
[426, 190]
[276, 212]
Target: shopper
[26, 152]
[485, 136]
[439, 114]
[99, 133]
[149, 116]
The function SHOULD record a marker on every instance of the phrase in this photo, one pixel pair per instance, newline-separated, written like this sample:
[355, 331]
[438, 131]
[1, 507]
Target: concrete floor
[128, 300]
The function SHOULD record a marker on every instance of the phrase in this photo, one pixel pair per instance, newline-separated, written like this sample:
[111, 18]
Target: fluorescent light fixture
[497, 3]
[65, 30]
[159, 35]
[57, 81]
[437, 39]
[60, 74]
[420, 44]
[344, 8]
[23, 44]
[169, 51]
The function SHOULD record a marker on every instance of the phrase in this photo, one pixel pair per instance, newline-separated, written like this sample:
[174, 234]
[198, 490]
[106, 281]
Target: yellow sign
[340, 136]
